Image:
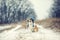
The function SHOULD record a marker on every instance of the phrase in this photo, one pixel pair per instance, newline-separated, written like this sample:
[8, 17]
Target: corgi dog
[32, 27]
[35, 29]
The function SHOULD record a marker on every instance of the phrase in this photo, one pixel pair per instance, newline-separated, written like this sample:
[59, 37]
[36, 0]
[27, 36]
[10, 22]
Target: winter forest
[15, 10]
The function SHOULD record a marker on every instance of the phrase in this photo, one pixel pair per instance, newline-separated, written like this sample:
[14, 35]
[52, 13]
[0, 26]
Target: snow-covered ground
[25, 34]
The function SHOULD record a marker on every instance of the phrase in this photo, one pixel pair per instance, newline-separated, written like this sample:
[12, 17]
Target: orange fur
[35, 28]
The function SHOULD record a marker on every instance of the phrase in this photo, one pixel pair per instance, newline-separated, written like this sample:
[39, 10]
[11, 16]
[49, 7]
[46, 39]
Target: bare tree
[15, 10]
[56, 9]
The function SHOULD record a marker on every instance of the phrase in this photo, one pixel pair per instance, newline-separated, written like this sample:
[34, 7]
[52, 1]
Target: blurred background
[12, 11]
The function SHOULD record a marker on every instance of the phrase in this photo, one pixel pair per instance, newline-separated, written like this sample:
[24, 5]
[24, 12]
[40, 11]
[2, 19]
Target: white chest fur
[30, 26]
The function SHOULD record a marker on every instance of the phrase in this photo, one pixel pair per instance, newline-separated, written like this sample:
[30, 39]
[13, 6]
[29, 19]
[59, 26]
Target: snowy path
[26, 34]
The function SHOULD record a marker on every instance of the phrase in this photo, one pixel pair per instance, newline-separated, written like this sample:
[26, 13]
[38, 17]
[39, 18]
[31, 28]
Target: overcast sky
[42, 8]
